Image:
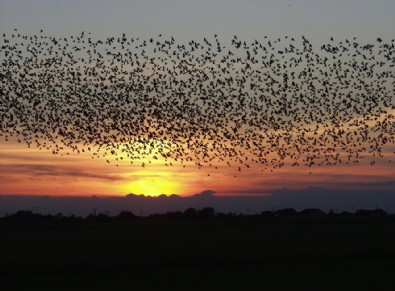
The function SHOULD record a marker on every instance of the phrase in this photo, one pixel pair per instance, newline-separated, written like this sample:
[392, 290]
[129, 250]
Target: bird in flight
[268, 103]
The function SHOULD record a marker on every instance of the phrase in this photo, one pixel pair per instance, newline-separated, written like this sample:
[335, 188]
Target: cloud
[380, 178]
[23, 156]
[389, 183]
[205, 194]
[7, 179]
[376, 182]
[137, 177]
[247, 192]
[37, 170]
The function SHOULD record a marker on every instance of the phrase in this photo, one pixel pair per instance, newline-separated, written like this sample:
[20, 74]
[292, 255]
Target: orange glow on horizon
[30, 171]
[153, 183]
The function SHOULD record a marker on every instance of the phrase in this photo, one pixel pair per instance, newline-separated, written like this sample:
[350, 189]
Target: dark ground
[237, 253]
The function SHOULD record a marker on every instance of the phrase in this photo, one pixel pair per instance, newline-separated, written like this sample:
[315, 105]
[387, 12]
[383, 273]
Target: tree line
[190, 213]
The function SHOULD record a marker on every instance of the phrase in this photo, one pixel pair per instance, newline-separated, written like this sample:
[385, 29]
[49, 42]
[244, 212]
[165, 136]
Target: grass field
[238, 253]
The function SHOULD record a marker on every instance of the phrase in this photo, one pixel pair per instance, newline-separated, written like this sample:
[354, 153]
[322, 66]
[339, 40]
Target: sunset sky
[36, 171]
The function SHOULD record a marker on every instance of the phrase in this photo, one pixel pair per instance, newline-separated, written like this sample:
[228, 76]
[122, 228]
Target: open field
[237, 253]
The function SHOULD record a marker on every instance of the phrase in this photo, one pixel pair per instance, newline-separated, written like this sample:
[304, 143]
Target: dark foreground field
[239, 253]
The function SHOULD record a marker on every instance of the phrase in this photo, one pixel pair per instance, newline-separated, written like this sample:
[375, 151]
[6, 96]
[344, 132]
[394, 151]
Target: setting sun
[153, 184]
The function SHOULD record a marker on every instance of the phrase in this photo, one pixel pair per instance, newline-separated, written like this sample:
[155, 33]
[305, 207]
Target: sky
[33, 171]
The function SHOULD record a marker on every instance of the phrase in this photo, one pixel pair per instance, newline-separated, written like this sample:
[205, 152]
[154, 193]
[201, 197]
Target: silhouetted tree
[312, 212]
[25, 216]
[375, 212]
[126, 215]
[286, 212]
[206, 212]
[101, 217]
[267, 213]
[190, 213]
[173, 214]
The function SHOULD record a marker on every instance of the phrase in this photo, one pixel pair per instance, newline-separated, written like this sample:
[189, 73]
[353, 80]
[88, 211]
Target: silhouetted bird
[271, 103]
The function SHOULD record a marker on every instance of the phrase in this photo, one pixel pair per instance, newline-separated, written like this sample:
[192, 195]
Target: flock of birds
[268, 102]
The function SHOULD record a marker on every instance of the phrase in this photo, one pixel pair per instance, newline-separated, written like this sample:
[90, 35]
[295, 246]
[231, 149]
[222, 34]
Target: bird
[267, 103]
